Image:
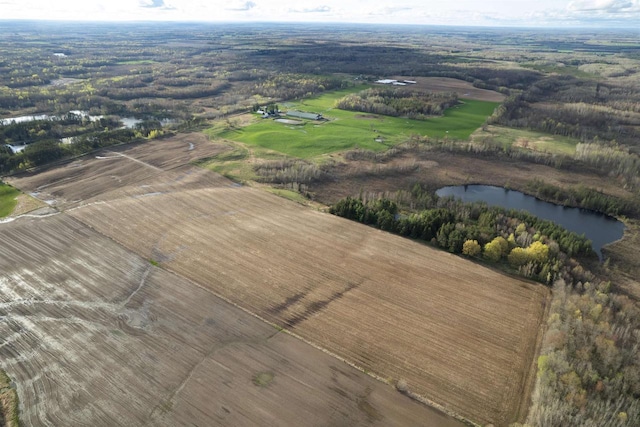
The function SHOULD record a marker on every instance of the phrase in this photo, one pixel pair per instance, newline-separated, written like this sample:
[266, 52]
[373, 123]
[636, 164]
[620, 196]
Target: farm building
[396, 82]
[302, 115]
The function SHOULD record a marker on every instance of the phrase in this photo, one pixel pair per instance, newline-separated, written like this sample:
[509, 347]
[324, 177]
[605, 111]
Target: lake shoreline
[600, 228]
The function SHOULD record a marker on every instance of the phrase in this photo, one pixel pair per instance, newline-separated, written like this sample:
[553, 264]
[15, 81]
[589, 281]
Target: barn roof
[303, 115]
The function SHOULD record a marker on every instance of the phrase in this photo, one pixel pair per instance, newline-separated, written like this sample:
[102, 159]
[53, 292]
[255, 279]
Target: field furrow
[461, 334]
[92, 334]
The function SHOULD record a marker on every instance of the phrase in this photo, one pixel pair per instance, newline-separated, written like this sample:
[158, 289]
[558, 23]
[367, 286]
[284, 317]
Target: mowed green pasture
[8, 201]
[345, 130]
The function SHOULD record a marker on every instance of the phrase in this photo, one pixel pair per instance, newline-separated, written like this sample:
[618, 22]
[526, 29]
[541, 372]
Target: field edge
[530, 377]
[9, 402]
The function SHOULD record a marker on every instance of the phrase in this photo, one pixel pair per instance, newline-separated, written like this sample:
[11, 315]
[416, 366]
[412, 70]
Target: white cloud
[604, 13]
[242, 6]
[610, 6]
[317, 9]
[459, 12]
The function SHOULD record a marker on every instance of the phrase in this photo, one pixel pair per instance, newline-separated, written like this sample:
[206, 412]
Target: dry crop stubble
[462, 335]
[95, 335]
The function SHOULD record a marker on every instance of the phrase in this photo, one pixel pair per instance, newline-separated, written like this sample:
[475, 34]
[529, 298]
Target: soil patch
[95, 335]
[463, 88]
[462, 335]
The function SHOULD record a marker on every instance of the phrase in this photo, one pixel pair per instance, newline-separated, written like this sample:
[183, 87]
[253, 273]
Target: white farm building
[302, 115]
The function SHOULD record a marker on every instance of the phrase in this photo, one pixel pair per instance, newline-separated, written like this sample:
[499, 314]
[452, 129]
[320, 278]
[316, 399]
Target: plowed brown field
[462, 335]
[445, 84]
[93, 335]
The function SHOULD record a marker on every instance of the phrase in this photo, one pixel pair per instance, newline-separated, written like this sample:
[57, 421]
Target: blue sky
[529, 13]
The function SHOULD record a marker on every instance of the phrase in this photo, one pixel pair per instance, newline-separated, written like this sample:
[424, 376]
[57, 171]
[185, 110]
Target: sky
[518, 13]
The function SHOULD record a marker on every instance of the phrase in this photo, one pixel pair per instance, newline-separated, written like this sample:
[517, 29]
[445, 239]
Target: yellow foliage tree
[471, 248]
[493, 250]
[504, 245]
[518, 257]
[538, 252]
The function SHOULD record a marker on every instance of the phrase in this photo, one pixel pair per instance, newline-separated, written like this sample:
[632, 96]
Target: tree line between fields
[530, 246]
[588, 371]
[398, 102]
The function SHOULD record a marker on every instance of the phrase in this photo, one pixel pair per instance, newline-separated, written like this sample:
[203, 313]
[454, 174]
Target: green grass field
[531, 140]
[346, 129]
[7, 199]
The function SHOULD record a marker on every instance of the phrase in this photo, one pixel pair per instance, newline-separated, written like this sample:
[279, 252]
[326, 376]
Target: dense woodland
[584, 85]
[589, 370]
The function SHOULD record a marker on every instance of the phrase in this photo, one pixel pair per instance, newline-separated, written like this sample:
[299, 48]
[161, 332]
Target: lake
[599, 228]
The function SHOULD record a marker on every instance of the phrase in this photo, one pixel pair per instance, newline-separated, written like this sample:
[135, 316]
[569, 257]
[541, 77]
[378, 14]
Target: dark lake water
[600, 229]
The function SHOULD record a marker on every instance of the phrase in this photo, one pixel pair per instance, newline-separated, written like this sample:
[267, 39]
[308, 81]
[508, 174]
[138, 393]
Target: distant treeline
[582, 197]
[398, 102]
[533, 247]
[65, 126]
[370, 60]
[47, 151]
[582, 109]
[292, 86]
[606, 160]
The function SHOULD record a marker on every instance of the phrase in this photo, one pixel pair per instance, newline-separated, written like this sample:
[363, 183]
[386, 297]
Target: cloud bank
[243, 6]
[514, 13]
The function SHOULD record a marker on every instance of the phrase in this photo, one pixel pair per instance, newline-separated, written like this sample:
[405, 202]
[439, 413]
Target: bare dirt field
[91, 176]
[92, 334]
[462, 335]
[463, 88]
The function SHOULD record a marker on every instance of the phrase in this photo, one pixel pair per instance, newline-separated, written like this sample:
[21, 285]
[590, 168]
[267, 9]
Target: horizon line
[564, 27]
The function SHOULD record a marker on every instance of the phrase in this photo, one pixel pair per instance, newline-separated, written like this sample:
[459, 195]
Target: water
[128, 122]
[600, 229]
[22, 119]
[131, 122]
[16, 148]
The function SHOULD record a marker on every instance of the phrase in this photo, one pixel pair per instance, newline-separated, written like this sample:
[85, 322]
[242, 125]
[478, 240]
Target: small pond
[600, 229]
